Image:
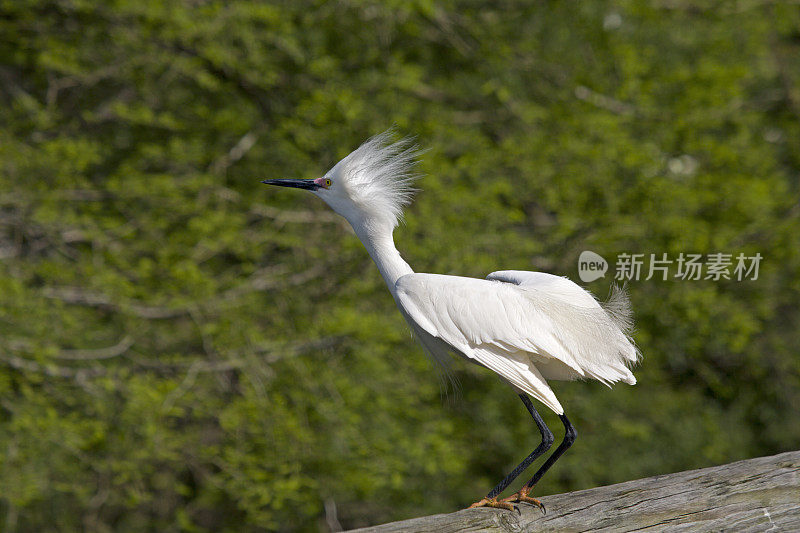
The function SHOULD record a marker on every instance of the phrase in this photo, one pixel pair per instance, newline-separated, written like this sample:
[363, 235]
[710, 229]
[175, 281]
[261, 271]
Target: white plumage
[525, 326]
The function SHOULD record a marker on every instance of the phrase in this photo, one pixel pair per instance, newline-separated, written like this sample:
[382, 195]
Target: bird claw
[492, 502]
[522, 497]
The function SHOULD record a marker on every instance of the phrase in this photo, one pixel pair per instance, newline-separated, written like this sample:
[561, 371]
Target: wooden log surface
[761, 494]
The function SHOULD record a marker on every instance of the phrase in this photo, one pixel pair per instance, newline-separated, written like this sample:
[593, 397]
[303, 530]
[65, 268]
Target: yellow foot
[492, 502]
[522, 496]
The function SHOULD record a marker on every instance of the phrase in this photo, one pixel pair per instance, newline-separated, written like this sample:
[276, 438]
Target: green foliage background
[183, 349]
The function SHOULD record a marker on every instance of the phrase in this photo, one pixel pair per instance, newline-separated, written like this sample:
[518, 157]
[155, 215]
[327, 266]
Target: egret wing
[615, 322]
[469, 313]
[536, 317]
[556, 286]
[441, 308]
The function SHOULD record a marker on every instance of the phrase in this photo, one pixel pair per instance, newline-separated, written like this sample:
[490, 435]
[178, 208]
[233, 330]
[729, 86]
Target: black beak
[308, 185]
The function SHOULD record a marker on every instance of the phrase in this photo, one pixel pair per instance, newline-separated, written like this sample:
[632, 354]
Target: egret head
[370, 185]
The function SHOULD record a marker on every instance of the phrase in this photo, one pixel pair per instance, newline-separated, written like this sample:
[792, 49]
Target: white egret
[525, 326]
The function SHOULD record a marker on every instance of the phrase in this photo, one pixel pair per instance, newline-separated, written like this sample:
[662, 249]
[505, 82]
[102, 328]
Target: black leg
[569, 437]
[547, 441]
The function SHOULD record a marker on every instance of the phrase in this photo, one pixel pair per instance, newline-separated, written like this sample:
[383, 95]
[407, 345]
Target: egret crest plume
[378, 176]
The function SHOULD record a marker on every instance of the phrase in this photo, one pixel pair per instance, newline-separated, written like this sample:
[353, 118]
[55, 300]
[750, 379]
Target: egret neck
[378, 240]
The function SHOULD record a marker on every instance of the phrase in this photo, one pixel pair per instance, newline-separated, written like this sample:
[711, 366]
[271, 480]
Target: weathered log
[760, 494]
